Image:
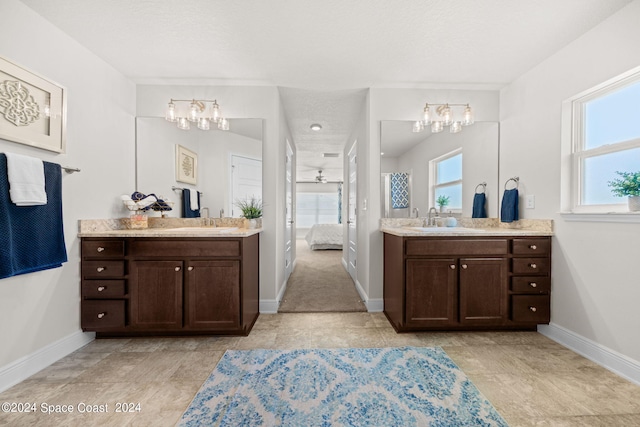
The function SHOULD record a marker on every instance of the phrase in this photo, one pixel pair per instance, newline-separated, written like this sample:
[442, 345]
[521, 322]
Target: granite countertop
[167, 227]
[467, 227]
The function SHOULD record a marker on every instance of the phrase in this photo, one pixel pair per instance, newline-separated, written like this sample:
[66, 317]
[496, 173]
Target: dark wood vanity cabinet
[449, 283]
[170, 285]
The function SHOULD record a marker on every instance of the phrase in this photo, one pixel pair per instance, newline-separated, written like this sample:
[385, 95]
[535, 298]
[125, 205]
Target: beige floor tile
[487, 359]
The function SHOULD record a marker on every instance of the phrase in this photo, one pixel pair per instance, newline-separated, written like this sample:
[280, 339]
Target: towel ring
[515, 179]
[484, 188]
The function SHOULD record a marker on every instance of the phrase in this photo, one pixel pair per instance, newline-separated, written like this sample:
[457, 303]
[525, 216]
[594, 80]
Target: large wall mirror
[410, 162]
[229, 163]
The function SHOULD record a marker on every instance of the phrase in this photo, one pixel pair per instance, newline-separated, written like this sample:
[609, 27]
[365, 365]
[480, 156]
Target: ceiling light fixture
[203, 112]
[321, 179]
[445, 117]
[316, 127]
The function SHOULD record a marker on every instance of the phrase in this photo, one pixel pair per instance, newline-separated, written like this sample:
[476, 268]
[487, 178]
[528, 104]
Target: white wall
[244, 102]
[39, 309]
[595, 289]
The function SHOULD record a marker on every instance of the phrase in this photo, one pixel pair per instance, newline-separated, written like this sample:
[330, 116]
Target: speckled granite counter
[467, 227]
[167, 227]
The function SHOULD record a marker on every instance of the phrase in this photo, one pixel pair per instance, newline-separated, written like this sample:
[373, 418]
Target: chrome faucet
[417, 212]
[432, 220]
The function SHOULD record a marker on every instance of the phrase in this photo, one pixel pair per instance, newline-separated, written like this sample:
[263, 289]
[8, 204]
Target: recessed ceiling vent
[330, 154]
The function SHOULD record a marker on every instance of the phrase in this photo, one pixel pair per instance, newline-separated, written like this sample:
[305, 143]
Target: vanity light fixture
[444, 117]
[202, 112]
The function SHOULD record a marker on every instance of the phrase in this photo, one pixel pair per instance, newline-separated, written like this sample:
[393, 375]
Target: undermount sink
[208, 230]
[445, 229]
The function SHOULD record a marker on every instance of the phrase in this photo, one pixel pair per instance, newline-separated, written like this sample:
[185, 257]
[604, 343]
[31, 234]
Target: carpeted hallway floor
[319, 283]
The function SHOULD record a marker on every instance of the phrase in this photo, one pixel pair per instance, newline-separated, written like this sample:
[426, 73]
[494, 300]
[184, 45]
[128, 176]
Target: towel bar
[180, 189]
[515, 179]
[69, 169]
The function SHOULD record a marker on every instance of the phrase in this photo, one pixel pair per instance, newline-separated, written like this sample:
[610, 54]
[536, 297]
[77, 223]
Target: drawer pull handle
[101, 288]
[534, 247]
[100, 249]
[190, 269]
[101, 269]
[464, 266]
[452, 266]
[101, 315]
[533, 266]
[177, 268]
[533, 284]
[533, 309]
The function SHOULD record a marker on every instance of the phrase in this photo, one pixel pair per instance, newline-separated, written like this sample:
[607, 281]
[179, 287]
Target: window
[446, 175]
[605, 138]
[316, 208]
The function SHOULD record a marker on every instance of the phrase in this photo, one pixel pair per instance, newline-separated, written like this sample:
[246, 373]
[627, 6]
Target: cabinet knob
[533, 284]
[533, 309]
[452, 266]
[534, 247]
[101, 315]
[101, 288]
[190, 268]
[464, 266]
[101, 269]
[100, 249]
[177, 269]
[533, 266]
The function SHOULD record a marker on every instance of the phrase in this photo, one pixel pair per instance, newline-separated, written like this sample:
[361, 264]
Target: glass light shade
[215, 112]
[183, 123]
[193, 112]
[203, 123]
[437, 126]
[455, 127]
[223, 124]
[467, 118]
[417, 127]
[426, 115]
[171, 112]
[447, 117]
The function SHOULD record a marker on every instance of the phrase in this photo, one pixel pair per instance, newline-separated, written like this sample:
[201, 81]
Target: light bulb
[436, 127]
[203, 123]
[171, 112]
[215, 112]
[418, 127]
[446, 115]
[455, 127]
[183, 123]
[426, 115]
[193, 112]
[467, 118]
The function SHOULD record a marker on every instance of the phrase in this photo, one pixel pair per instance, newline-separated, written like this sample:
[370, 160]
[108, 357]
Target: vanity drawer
[531, 285]
[103, 288]
[102, 314]
[102, 248]
[485, 247]
[530, 308]
[102, 268]
[185, 248]
[531, 247]
[531, 265]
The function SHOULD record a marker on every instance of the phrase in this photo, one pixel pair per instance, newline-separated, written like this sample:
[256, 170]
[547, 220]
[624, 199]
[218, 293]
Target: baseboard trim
[375, 305]
[603, 356]
[269, 306]
[30, 364]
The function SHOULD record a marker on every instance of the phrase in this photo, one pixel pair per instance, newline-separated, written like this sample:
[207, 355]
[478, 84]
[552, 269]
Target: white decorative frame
[186, 165]
[32, 108]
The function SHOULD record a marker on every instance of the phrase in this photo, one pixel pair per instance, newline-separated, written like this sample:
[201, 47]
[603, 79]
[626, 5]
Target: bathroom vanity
[480, 280]
[169, 282]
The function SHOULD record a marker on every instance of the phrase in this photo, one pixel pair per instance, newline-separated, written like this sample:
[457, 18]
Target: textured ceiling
[325, 45]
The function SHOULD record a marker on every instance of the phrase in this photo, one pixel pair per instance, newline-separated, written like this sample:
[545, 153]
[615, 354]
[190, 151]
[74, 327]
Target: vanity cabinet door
[213, 295]
[431, 292]
[156, 294]
[483, 290]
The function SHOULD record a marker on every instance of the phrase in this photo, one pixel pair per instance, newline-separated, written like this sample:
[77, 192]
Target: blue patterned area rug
[408, 386]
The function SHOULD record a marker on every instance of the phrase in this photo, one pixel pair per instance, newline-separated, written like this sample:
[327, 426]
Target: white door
[246, 182]
[288, 233]
[351, 211]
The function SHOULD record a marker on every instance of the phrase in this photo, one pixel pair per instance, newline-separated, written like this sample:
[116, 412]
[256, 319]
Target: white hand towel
[26, 180]
[193, 200]
[147, 201]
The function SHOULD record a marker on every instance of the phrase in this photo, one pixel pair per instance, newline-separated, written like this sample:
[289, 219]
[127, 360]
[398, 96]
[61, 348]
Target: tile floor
[531, 380]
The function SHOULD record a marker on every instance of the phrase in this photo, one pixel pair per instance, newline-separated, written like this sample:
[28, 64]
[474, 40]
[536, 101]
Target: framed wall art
[32, 108]
[186, 165]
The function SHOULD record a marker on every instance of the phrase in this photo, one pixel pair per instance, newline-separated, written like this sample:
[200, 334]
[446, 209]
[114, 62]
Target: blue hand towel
[31, 237]
[187, 212]
[479, 210]
[509, 211]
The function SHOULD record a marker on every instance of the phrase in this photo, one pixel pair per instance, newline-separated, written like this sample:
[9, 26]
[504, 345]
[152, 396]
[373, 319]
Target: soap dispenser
[451, 221]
